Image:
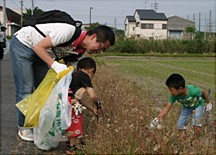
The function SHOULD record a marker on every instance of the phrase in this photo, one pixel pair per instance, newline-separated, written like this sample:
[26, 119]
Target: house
[176, 27]
[146, 24]
[130, 24]
[12, 21]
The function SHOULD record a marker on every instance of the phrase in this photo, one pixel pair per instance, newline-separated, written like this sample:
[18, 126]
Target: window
[147, 26]
[164, 26]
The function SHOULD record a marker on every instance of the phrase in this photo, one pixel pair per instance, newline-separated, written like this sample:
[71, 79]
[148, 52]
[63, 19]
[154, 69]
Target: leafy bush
[170, 46]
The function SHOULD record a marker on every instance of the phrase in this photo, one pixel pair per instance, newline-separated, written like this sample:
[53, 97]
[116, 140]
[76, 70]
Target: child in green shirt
[192, 99]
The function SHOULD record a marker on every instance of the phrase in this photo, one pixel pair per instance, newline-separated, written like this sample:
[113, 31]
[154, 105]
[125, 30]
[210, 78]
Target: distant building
[146, 24]
[130, 24]
[176, 27]
[12, 20]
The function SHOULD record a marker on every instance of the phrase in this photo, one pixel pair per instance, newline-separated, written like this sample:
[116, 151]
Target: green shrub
[168, 46]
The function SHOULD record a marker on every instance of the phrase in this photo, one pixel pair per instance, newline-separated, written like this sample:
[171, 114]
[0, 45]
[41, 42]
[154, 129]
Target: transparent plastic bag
[55, 116]
[32, 105]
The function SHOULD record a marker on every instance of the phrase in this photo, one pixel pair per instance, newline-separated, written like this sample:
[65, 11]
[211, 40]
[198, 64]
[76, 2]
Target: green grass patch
[155, 55]
[152, 72]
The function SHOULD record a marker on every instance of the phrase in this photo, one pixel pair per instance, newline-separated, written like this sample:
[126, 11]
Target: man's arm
[41, 50]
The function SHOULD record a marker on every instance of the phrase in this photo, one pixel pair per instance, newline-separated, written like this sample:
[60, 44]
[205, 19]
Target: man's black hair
[86, 63]
[176, 81]
[104, 33]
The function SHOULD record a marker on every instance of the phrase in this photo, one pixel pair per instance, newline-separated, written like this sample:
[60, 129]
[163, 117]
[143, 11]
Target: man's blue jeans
[28, 70]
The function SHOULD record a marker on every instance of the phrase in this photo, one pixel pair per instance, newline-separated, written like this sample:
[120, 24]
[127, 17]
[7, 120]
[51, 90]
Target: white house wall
[137, 17]
[126, 28]
[131, 31]
[129, 28]
[134, 29]
[157, 32]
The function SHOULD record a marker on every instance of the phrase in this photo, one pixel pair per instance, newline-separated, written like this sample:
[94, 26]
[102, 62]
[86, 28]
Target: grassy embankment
[133, 92]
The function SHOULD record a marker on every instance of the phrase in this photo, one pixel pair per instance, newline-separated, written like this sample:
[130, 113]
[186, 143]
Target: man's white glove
[58, 67]
[154, 123]
[209, 107]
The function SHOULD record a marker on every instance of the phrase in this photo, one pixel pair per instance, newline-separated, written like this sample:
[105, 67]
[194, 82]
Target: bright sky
[113, 12]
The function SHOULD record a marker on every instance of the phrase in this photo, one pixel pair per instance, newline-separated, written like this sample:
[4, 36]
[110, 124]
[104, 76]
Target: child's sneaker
[26, 134]
[71, 149]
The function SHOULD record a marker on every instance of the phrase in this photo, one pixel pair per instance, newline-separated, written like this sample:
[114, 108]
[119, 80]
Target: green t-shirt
[193, 99]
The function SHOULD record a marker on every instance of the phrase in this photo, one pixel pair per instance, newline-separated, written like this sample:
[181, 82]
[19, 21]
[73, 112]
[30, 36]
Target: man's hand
[58, 67]
[154, 123]
[209, 107]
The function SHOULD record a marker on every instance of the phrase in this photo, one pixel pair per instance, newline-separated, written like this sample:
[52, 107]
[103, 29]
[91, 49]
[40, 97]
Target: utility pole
[21, 21]
[4, 13]
[199, 20]
[32, 9]
[205, 28]
[152, 6]
[210, 22]
[115, 22]
[214, 25]
[90, 16]
[155, 6]
[145, 4]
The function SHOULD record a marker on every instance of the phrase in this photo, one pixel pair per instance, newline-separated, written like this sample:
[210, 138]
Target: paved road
[10, 142]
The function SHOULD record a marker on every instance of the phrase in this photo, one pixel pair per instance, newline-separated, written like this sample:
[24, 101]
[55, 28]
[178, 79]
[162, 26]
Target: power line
[15, 3]
[21, 2]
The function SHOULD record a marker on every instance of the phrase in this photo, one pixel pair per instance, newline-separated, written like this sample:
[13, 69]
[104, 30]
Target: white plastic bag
[55, 116]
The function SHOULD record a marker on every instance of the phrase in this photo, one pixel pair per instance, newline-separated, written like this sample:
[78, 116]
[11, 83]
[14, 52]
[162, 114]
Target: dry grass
[127, 110]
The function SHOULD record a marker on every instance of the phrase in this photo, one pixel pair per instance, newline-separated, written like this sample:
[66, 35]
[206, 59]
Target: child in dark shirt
[81, 83]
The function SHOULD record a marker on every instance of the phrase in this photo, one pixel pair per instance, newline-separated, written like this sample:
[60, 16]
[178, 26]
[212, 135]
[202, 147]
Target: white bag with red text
[55, 116]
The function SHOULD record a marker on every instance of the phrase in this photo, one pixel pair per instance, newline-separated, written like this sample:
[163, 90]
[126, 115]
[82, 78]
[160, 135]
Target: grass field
[133, 91]
[153, 71]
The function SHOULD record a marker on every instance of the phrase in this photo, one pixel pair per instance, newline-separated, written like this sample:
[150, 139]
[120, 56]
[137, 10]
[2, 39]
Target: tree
[191, 30]
[27, 15]
[92, 26]
[118, 32]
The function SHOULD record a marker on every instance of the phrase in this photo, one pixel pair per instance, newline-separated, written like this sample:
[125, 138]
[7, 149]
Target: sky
[114, 12]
